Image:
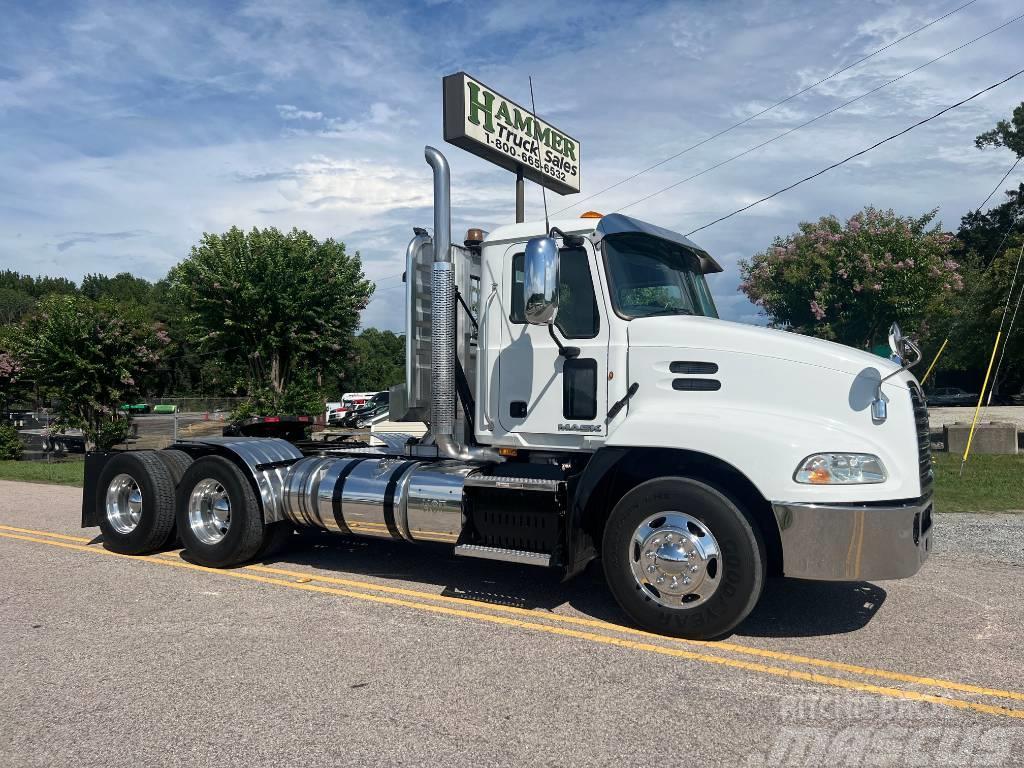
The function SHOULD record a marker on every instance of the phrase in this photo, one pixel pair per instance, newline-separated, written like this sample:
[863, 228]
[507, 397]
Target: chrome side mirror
[895, 337]
[540, 281]
[906, 354]
[896, 342]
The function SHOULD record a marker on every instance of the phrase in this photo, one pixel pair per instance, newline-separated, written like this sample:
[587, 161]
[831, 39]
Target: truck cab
[583, 401]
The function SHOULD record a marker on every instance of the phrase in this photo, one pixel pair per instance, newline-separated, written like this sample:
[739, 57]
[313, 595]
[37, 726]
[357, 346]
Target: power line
[985, 266]
[955, 323]
[997, 186]
[818, 117]
[1010, 330]
[1013, 284]
[860, 153]
[385, 290]
[766, 109]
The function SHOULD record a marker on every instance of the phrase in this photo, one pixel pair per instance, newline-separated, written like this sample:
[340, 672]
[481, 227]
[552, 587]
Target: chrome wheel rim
[123, 504]
[209, 511]
[675, 560]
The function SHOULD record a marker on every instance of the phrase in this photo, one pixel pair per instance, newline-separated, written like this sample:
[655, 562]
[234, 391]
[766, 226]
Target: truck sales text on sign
[482, 121]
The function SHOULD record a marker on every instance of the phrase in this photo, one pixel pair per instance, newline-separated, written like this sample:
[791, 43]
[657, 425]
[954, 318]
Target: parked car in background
[375, 406]
[337, 411]
[945, 396]
[368, 416]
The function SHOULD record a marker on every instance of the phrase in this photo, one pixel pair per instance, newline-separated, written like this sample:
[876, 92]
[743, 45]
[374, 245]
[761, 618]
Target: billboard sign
[480, 120]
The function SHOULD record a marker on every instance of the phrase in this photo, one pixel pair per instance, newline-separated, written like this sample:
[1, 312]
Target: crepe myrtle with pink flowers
[90, 357]
[848, 282]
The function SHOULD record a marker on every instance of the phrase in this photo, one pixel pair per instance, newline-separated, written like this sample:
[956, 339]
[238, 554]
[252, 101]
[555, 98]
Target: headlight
[840, 469]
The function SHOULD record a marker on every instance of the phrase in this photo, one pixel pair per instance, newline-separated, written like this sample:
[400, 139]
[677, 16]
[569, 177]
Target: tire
[177, 462]
[135, 501]
[223, 525]
[707, 553]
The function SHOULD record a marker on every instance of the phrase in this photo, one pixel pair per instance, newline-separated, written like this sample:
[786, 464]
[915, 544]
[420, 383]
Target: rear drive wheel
[177, 462]
[682, 559]
[218, 515]
[135, 496]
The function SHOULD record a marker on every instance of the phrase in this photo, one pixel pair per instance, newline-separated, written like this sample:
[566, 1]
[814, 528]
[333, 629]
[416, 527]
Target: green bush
[301, 399]
[10, 445]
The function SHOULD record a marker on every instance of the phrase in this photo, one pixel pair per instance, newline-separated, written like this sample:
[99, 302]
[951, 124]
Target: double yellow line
[576, 627]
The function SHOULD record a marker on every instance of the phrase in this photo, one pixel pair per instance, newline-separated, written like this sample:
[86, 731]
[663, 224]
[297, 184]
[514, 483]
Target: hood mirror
[540, 281]
[896, 342]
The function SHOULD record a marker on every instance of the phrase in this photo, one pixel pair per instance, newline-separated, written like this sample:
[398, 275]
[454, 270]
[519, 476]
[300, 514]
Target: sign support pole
[520, 196]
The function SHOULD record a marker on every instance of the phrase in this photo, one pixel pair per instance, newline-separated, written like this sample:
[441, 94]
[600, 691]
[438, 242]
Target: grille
[696, 385]
[693, 366]
[924, 438]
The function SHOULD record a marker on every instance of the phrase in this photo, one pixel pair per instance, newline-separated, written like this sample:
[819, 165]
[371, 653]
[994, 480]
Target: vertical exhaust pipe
[443, 323]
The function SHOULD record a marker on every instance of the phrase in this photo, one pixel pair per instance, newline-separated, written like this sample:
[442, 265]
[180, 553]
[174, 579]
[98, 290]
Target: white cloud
[129, 133]
[291, 112]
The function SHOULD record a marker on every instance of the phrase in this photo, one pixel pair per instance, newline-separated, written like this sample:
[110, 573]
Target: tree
[849, 282]
[10, 374]
[90, 357]
[285, 304]
[973, 329]
[1007, 133]
[13, 305]
[990, 247]
[123, 287]
[36, 287]
[983, 233]
[378, 361]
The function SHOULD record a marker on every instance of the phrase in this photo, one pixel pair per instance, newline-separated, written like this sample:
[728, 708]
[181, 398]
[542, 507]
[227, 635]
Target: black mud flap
[94, 463]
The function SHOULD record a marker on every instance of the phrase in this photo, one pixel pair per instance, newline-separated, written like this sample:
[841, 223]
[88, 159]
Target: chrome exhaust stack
[443, 324]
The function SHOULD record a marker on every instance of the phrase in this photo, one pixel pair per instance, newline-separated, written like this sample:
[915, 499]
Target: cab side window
[577, 316]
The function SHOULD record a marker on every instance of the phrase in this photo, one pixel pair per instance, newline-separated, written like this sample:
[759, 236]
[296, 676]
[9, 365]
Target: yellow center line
[736, 648]
[601, 639]
[608, 626]
[44, 533]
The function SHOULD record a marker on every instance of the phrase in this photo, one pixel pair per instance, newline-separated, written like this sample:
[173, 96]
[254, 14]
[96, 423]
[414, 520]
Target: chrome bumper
[845, 542]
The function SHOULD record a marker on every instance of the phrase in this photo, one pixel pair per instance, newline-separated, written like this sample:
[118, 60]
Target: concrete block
[989, 437]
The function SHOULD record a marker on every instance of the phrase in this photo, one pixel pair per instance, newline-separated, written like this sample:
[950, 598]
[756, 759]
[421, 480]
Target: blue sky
[129, 129]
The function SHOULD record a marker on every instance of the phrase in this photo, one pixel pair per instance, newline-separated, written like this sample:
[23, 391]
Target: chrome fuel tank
[432, 505]
[378, 497]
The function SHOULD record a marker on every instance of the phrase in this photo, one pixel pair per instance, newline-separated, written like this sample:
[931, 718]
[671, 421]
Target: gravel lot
[343, 652]
[1012, 414]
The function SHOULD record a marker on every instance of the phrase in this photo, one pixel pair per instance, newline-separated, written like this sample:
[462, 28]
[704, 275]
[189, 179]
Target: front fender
[767, 447]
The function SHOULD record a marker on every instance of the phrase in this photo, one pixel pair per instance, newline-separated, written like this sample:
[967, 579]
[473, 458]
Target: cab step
[542, 559]
[515, 483]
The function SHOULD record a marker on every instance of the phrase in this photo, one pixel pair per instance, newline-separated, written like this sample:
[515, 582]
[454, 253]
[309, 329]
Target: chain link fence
[198, 404]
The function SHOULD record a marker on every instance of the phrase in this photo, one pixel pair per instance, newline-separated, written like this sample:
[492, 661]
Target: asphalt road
[344, 652]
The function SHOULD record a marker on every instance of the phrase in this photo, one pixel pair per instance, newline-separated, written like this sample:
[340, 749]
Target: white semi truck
[584, 401]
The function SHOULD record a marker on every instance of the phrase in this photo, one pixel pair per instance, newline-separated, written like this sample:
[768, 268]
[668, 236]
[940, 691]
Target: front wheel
[682, 559]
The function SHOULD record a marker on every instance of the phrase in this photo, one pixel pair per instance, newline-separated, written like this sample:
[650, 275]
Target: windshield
[649, 276]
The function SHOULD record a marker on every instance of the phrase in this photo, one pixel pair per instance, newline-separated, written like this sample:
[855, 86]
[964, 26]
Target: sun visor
[616, 223]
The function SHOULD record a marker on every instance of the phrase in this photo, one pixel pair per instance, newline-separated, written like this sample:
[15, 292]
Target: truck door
[549, 399]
